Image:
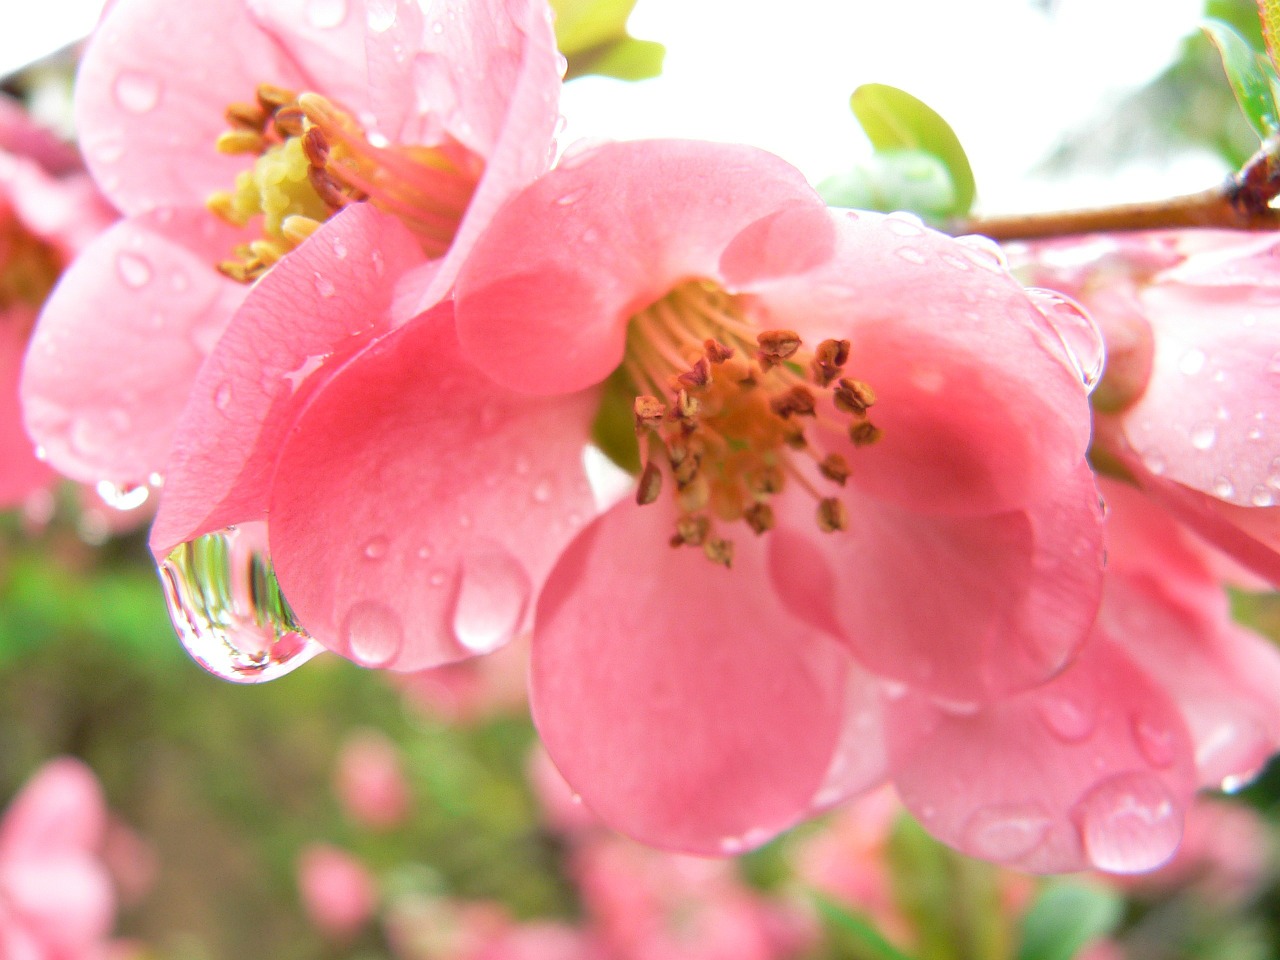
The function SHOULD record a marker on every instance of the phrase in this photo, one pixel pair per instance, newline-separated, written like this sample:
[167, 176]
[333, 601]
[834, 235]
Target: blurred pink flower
[1188, 406]
[338, 892]
[471, 691]
[278, 115]
[56, 901]
[370, 780]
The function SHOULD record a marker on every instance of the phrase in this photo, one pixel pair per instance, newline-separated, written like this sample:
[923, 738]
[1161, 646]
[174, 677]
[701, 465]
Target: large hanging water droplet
[1075, 330]
[1129, 823]
[326, 14]
[227, 607]
[123, 496]
[137, 92]
[1005, 832]
[493, 591]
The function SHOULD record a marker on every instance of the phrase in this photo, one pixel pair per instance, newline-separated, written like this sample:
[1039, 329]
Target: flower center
[313, 159]
[727, 417]
[29, 267]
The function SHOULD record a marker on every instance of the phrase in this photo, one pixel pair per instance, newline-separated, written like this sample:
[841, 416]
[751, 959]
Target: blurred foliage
[592, 34]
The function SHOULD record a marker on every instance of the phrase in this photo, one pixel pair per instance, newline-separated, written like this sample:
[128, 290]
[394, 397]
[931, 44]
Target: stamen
[832, 515]
[719, 551]
[835, 468]
[854, 396]
[650, 485]
[759, 517]
[864, 434]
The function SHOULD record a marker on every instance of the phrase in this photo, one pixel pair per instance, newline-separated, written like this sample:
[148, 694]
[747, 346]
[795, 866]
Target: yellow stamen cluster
[312, 159]
[728, 408]
[29, 268]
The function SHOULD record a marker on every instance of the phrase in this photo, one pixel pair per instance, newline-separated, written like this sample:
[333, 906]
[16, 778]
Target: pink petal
[21, 474]
[338, 892]
[1091, 769]
[966, 608]
[453, 499]
[66, 900]
[60, 810]
[325, 41]
[120, 340]
[860, 761]
[314, 309]
[65, 213]
[22, 136]
[680, 699]
[544, 299]
[153, 86]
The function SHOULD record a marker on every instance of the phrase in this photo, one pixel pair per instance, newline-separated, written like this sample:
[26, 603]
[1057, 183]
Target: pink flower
[693, 706]
[1188, 406]
[338, 892]
[370, 780]
[471, 691]
[278, 115]
[55, 896]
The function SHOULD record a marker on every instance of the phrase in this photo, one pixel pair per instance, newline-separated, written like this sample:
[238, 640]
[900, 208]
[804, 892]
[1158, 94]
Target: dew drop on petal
[1223, 487]
[1192, 362]
[227, 608]
[136, 91]
[371, 633]
[1203, 436]
[1068, 719]
[492, 593]
[324, 286]
[326, 14]
[379, 264]
[134, 269]
[1155, 463]
[1129, 823]
[380, 15]
[572, 197]
[123, 496]
[905, 224]
[339, 248]
[1006, 831]
[222, 396]
[1262, 496]
[542, 492]
[375, 548]
[1075, 330]
[1154, 741]
[987, 252]
[911, 255]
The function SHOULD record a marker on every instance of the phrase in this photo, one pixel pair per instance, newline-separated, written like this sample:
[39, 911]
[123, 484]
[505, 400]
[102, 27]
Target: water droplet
[339, 248]
[1005, 832]
[437, 28]
[493, 591]
[179, 281]
[1237, 782]
[136, 91]
[379, 264]
[371, 633]
[222, 396]
[1129, 823]
[438, 578]
[904, 224]
[380, 15]
[123, 496]
[749, 840]
[324, 286]
[134, 269]
[1155, 463]
[1262, 496]
[572, 197]
[228, 610]
[1223, 487]
[893, 689]
[1256, 433]
[1154, 740]
[986, 252]
[1192, 362]
[542, 492]
[424, 552]
[523, 466]
[910, 254]
[958, 262]
[376, 548]
[1067, 718]
[1203, 436]
[326, 14]
[108, 151]
[1076, 332]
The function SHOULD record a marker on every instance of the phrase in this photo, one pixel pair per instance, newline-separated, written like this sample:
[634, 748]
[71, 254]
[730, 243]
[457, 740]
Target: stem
[1243, 202]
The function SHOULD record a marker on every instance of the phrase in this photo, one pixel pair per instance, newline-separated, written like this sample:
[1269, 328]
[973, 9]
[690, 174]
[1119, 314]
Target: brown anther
[686, 471]
[832, 515]
[697, 376]
[248, 116]
[719, 551]
[828, 361]
[650, 484]
[327, 188]
[272, 97]
[694, 495]
[778, 344]
[799, 401]
[835, 468]
[865, 433]
[767, 480]
[692, 531]
[239, 141]
[759, 517]
[288, 121]
[316, 146]
[795, 438]
[854, 396]
[716, 351]
[649, 412]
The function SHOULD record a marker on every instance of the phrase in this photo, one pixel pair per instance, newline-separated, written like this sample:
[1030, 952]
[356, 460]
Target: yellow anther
[832, 515]
[298, 228]
[250, 116]
[240, 141]
[691, 531]
[272, 97]
[288, 121]
[268, 252]
[648, 412]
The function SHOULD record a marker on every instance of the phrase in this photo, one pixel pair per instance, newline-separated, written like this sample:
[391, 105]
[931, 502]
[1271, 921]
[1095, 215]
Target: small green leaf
[894, 180]
[1066, 917]
[837, 918]
[895, 120]
[1248, 79]
[1269, 11]
[613, 429]
[624, 59]
[592, 34]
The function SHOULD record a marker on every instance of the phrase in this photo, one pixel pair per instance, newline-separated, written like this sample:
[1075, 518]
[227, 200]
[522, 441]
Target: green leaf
[592, 34]
[613, 429]
[1066, 917]
[894, 180]
[1269, 11]
[895, 120]
[625, 59]
[838, 919]
[1248, 79]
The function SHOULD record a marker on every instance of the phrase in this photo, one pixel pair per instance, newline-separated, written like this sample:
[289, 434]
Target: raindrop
[904, 224]
[134, 269]
[1256, 433]
[227, 607]
[371, 633]
[572, 197]
[380, 15]
[1237, 782]
[108, 151]
[137, 92]
[376, 548]
[1068, 719]
[1154, 740]
[326, 14]
[1155, 463]
[222, 396]
[1129, 823]
[958, 262]
[542, 492]
[324, 286]
[749, 840]
[1005, 832]
[1192, 362]
[179, 281]
[910, 254]
[424, 552]
[379, 264]
[438, 578]
[1262, 496]
[437, 28]
[523, 466]
[1076, 332]
[123, 496]
[493, 591]
[1223, 488]
[1203, 436]
[988, 253]
[893, 689]
[339, 248]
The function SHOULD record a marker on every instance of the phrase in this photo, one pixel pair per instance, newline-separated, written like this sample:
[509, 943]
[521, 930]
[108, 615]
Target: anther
[327, 188]
[694, 495]
[828, 361]
[759, 517]
[794, 437]
[650, 485]
[649, 412]
[239, 141]
[854, 396]
[776, 346]
[719, 551]
[798, 401]
[835, 468]
[716, 351]
[697, 377]
[298, 228]
[832, 515]
[766, 481]
[865, 433]
[686, 407]
[249, 116]
[267, 252]
[272, 97]
[692, 531]
[316, 147]
[288, 121]
[237, 270]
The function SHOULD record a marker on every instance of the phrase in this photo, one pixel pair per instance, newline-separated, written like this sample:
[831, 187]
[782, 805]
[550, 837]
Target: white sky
[1009, 78]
